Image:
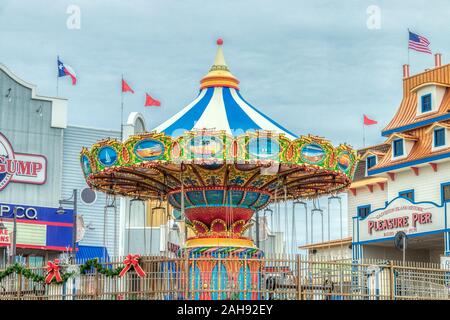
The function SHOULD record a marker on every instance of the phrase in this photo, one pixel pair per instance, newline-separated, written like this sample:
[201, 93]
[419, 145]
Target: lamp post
[61, 210]
[14, 239]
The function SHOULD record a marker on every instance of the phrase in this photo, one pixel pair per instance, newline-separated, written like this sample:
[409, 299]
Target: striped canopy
[220, 106]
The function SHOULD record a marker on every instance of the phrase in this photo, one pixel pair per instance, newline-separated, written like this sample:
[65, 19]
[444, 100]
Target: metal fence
[278, 277]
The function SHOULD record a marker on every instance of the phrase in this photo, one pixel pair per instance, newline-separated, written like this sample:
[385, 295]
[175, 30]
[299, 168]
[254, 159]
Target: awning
[85, 253]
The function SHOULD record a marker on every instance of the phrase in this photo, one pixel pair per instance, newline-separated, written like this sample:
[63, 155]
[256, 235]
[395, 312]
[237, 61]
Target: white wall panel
[74, 139]
[376, 199]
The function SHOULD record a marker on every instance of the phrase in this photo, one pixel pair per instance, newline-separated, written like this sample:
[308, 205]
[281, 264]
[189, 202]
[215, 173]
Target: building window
[398, 147]
[439, 137]
[446, 192]
[363, 211]
[426, 102]
[407, 194]
[371, 161]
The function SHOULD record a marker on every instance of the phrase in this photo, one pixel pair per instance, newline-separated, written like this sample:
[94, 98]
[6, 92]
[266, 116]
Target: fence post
[96, 292]
[391, 281]
[186, 274]
[299, 278]
[19, 285]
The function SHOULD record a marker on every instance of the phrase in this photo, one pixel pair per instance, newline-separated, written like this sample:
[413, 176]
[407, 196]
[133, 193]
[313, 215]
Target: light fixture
[60, 210]
[39, 111]
[8, 95]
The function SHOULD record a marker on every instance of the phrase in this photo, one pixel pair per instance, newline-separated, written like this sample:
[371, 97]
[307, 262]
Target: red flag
[149, 101]
[368, 121]
[126, 87]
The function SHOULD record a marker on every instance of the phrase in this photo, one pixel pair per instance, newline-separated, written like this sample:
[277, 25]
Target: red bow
[53, 271]
[132, 261]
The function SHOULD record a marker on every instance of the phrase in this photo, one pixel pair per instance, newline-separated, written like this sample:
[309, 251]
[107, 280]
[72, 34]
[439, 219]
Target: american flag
[418, 43]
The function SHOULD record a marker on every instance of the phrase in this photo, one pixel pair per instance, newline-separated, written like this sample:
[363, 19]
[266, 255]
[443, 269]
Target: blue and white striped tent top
[220, 107]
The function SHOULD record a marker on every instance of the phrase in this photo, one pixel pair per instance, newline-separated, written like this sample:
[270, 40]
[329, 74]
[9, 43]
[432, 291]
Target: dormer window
[401, 145]
[429, 97]
[397, 145]
[426, 105]
[439, 135]
[371, 161]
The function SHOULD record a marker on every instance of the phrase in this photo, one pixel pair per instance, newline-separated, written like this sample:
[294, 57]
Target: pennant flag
[66, 70]
[149, 101]
[126, 87]
[368, 121]
[418, 43]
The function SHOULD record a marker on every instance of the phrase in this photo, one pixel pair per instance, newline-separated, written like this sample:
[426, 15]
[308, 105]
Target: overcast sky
[314, 66]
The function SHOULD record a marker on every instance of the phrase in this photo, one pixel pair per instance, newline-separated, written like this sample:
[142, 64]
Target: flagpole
[364, 134]
[57, 76]
[121, 110]
[408, 46]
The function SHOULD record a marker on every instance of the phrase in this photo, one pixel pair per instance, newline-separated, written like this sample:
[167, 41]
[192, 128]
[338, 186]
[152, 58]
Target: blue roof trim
[187, 120]
[415, 125]
[266, 117]
[408, 164]
[237, 118]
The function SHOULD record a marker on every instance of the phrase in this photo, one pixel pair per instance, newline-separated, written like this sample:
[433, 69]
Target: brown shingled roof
[360, 172]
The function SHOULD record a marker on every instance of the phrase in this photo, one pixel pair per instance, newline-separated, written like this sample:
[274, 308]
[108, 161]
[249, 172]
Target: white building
[404, 184]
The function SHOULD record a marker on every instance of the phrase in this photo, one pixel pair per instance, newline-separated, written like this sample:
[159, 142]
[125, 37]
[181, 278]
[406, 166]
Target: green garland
[27, 273]
[93, 263]
[84, 268]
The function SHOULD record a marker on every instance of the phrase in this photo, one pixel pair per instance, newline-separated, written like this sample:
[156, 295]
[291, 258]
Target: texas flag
[66, 70]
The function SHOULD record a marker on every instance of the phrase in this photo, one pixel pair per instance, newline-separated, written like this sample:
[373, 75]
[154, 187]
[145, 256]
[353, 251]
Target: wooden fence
[270, 278]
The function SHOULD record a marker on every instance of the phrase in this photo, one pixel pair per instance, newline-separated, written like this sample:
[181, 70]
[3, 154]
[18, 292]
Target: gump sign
[20, 167]
[402, 215]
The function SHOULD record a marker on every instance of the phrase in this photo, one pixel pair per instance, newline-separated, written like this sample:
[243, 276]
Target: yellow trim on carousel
[219, 82]
[219, 242]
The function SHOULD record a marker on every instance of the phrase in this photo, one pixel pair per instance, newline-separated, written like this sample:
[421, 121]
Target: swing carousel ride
[218, 161]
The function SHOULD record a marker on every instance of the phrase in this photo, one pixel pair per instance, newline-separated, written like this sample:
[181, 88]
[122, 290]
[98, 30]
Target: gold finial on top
[219, 75]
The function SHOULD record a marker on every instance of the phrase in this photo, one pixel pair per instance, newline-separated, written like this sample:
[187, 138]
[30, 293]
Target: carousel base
[219, 242]
[223, 269]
